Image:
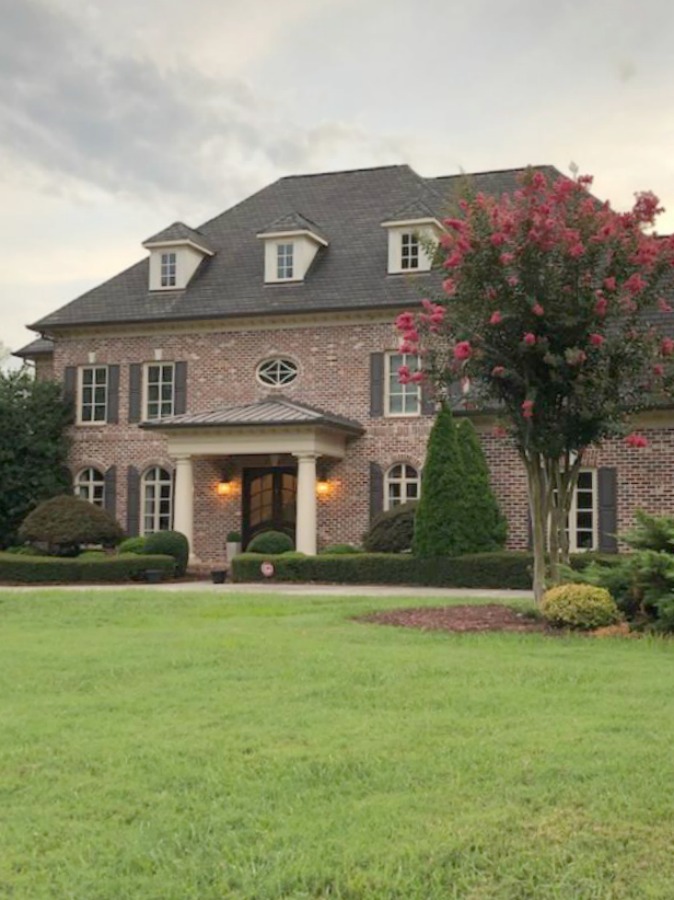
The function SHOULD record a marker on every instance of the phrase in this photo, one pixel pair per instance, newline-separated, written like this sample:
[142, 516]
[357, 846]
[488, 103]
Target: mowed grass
[219, 746]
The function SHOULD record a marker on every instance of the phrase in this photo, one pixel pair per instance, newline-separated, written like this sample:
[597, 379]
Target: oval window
[277, 372]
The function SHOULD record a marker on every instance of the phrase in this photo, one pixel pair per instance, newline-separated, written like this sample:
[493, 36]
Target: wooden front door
[269, 501]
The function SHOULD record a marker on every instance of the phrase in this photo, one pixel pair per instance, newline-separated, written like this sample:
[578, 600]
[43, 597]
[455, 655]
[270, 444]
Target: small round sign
[267, 569]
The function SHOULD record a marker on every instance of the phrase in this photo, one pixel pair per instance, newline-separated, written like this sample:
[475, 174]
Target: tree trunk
[538, 513]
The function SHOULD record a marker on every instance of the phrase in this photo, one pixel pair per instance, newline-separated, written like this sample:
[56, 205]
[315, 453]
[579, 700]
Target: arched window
[90, 485]
[401, 485]
[157, 500]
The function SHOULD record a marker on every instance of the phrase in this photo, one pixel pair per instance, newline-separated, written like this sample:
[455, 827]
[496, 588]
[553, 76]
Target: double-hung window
[168, 270]
[157, 500]
[409, 251]
[93, 405]
[402, 485]
[285, 261]
[583, 516]
[159, 390]
[401, 399]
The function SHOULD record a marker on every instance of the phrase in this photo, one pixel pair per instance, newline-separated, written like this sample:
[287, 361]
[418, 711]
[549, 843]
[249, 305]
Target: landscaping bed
[489, 617]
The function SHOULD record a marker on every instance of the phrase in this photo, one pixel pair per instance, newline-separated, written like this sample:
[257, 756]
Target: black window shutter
[132, 501]
[135, 388]
[607, 479]
[113, 395]
[376, 490]
[376, 384]
[70, 384]
[110, 491]
[180, 389]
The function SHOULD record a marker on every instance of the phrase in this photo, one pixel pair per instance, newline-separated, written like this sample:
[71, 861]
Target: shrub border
[18, 569]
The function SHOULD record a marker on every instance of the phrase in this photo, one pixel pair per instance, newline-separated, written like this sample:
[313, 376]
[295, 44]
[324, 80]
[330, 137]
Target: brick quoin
[334, 376]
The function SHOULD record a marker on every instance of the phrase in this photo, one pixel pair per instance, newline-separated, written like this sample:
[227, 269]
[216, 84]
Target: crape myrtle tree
[545, 316]
[33, 447]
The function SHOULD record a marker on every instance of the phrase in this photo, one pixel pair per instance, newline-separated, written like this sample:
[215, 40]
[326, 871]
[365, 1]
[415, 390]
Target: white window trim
[573, 513]
[403, 482]
[387, 387]
[170, 266]
[89, 484]
[97, 423]
[156, 514]
[271, 359]
[146, 389]
[293, 258]
[414, 242]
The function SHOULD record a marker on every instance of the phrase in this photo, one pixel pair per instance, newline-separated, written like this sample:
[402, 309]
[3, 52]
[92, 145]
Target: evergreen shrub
[579, 606]
[104, 569]
[65, 522]
[132, 545]
[487, 526]
[392, 531]
[271, 542]
[170, 543]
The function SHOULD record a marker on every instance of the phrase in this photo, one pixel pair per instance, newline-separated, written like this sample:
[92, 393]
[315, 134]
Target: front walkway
[312, 590]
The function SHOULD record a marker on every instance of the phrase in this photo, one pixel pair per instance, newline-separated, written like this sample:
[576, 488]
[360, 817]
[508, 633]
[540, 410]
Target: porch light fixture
[225, 487]
[323, 486]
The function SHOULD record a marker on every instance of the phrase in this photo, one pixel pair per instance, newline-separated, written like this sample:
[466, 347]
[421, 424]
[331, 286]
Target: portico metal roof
[272, 411]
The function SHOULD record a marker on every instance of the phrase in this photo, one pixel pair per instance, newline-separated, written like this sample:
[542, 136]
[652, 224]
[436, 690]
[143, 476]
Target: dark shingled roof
[293, 222]
[348, 274]
[38, 347]
[275, 410]
[179, 232]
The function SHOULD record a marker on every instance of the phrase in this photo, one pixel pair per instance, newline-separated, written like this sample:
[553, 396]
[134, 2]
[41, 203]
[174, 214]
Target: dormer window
[175, 255]
[290, 246]
[284, 261]
[409, 251]
[168, 270]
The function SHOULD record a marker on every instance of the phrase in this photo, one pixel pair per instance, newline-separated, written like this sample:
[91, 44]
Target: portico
[271, 428]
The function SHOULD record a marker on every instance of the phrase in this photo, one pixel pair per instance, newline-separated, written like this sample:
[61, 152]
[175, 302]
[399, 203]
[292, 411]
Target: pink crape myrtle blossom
[463, 351]
[529, 339]
[496, 318]
[636, 440]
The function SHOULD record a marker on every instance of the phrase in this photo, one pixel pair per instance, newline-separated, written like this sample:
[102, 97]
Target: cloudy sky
[118, 118]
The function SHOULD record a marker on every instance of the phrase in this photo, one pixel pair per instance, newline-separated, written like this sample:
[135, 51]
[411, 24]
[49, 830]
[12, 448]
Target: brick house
[242, 376]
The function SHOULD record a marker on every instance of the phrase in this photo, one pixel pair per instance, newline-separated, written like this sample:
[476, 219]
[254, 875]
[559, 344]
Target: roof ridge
[350, 171]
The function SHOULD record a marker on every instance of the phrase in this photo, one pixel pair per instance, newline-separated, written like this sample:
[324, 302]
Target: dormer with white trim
[409, 232]
[290, 245]
[175, 255]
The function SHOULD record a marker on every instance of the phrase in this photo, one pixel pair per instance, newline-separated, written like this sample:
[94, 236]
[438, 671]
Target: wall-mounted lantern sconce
[225, 487]
[323, 486]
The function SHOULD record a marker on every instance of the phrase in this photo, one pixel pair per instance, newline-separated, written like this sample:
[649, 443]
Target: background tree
[33, 447]
[551, 312]
[486, 524]
[441, 525]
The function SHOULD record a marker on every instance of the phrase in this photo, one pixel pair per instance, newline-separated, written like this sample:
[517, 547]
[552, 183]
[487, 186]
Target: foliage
[85, 569]
[170, 543]
[341, 548]
[65, 522]
[545, 316]
[486, 525]
[392, 531]
[579, 606]
[26, 550]
[33, 447]
[132, 545]
[270, 542]
[643, 581]
[233, 537]
[442, 527]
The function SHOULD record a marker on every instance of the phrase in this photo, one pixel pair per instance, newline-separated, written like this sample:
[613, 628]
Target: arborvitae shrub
[442, 526]
[65, 522]
[580, 606]
[170, 543]
[486, 524]
[392, 531]
[271, 542]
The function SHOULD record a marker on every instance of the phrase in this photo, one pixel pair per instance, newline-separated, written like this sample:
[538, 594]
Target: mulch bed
[491, 617]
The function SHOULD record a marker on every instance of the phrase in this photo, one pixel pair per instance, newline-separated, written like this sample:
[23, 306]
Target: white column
[306, 503]
[183, 501]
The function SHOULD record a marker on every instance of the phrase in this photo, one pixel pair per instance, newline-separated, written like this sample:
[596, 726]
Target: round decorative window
[277, 372]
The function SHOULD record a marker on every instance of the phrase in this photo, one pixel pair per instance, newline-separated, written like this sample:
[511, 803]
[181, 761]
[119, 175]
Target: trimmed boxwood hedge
[500, 571]
[109, 569]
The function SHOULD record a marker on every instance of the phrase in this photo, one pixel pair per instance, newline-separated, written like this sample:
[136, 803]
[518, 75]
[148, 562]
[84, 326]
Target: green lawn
[218, 746]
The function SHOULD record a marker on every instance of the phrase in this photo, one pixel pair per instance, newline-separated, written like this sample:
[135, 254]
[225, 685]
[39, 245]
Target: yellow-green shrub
[580, 606]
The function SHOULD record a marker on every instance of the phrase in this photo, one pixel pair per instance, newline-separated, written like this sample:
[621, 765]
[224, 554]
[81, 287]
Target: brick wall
[334, 376]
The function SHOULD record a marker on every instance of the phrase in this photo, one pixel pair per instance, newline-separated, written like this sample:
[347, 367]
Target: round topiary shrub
[579, 606]
[341, 548]
[392, 531]
[271, 542]
[65, 522]
[132, 545]
[169, 543]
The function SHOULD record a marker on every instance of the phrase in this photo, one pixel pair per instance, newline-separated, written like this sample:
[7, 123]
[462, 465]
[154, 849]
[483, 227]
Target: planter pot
[218, 576]
[233, 549]
[154, 576]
